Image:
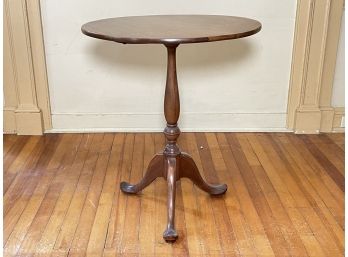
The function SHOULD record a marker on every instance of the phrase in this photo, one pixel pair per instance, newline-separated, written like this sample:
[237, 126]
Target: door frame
[26, 95]
[317, 33]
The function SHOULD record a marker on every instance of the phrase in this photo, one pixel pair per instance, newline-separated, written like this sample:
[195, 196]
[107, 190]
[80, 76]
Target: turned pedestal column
[172, 164]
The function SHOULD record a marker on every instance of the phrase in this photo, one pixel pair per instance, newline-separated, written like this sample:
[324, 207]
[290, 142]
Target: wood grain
[171, 29]
[285, 196]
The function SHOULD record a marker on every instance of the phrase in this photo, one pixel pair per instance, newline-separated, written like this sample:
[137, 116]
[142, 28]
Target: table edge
[166, 41]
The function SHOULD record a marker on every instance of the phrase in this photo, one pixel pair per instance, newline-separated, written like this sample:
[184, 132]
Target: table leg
[188, 169]
[155, 170]
[171, 167]
[172, 164]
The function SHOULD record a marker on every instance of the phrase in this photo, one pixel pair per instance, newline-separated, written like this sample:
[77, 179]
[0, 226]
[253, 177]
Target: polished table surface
[179, 29]
[171, 31]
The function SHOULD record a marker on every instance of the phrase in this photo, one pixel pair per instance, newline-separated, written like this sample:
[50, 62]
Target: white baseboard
[154, 122]
[109, 130]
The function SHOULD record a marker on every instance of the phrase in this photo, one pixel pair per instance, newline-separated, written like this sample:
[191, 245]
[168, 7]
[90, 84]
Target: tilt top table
[171, 30]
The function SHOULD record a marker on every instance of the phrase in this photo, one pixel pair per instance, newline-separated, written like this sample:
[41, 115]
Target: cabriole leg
[170, 234]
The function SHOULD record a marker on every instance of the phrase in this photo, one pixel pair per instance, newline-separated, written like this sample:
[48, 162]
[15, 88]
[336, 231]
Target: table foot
[170, 235]
[154, 170]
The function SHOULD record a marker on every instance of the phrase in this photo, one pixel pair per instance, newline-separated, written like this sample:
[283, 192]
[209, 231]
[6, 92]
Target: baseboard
[338, 115]
[327, 117]
[128, 130]
[154, 122]
[22, 121]
[307, 121]
[9, 121]
[29, 122]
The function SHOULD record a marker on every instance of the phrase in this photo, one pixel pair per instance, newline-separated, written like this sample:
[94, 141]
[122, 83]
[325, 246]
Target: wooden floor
[285, 196]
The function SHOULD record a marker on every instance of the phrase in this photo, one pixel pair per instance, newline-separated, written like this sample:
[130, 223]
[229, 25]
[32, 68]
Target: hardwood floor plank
[67, 231]
[9, 140]
[117, 218]
[26, 178]
[227, 235]
[97, 238]
[320, 232]
[313, 177]
[325, 140]
[32, 204]
[337, 159]
[21, 154]
[130, 239]
[147, 216]
[17, 165]
[14, 151]
[338, 139]
[243, 203]
[209, 231]
[275, 233]
[70, 172]
[325, 163]
[329, 183]
[16, 188]
[285, 183]
[20, 191]
[62, 183]
[311, 194]
[248, 239]
[290, 216]
[84, 227]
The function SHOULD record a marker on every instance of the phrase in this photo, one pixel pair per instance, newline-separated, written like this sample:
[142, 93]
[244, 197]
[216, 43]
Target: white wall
[338, 86]
[228, 85]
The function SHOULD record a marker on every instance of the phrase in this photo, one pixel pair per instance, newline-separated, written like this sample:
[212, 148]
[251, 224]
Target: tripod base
[172, 168]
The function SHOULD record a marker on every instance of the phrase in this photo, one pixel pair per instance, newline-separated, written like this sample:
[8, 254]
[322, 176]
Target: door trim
[317, 32]
[26, 95]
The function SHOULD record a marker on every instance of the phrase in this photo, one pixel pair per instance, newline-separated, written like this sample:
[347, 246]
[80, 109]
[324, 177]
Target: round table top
[171, 29]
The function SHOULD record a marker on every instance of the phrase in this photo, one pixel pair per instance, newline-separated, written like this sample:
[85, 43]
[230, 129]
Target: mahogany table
[171, 30]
